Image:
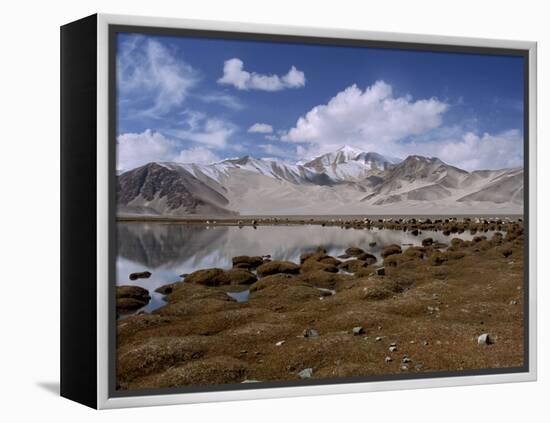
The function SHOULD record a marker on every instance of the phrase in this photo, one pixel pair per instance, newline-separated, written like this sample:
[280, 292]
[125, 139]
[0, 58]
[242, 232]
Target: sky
[200, 100]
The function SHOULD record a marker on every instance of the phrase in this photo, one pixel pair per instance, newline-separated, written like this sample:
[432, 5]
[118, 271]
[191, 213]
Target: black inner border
[278, 38]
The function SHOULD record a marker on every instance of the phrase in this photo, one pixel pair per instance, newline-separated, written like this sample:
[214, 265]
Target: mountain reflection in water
[169, 250]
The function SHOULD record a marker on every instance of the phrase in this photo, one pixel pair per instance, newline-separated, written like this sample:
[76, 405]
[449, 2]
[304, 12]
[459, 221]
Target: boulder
[129, 297]
[311, 265]
[251, 261]
[354, 251]
[275, 267]
[306, 373]
[390, 250]
[140, 275]
[484, 339]
[358, 330]
[369, 258]
[165, 289]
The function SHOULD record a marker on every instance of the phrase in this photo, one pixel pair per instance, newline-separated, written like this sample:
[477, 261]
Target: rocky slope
[168, 190]
[346, 181]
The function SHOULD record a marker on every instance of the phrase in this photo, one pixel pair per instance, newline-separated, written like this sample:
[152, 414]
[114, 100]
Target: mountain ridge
[345, 181]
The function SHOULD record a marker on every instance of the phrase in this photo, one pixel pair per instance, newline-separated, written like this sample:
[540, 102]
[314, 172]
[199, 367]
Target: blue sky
[202, 100]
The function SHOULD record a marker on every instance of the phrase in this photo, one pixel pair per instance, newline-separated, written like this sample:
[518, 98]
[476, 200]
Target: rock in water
[249, 261]
[130, 297]
[306, 373]
[358, 330]
[354, 251]
[484, 339]
[390, 250]
[140, 275]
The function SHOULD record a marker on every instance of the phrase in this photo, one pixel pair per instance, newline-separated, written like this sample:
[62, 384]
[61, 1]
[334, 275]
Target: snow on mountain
[346, 181]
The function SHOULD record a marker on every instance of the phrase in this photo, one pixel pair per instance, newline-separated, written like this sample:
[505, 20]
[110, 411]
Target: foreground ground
[329, 317]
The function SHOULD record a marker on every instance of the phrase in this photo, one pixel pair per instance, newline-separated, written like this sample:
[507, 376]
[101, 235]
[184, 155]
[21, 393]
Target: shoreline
[414, 224]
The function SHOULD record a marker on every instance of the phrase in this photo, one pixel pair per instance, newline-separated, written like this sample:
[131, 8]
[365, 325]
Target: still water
[169, 250]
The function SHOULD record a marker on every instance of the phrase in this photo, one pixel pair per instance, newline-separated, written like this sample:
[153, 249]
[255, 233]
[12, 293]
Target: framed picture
[253, 211]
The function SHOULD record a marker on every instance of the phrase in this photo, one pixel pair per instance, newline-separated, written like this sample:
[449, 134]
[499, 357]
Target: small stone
[484, 339]
[425, 343]
[280, 343]
[513, 302]
[404, 367]
[388, 359]
[378, 338]
[412, 342]
[406, 360]
[393, 348]
[250, 381]
[358, 330]
[306, 373]
[310, 333]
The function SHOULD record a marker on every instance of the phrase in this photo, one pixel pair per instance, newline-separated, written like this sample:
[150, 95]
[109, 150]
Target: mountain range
[346, 181]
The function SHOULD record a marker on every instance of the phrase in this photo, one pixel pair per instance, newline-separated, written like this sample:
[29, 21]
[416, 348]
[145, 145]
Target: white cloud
[466, 150]
[151, 78]
[472, 151]
[261, 128]
[235, 75]
[137, 149]
[226, 100]
[365, 118]
[197, 155]
[199, 128]
[274, 150]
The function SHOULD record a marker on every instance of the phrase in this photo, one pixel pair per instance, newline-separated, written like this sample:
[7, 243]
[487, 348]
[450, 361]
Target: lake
[169, 250]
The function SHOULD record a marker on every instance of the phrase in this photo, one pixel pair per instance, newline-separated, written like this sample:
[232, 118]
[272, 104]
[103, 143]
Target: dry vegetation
[431, 304]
